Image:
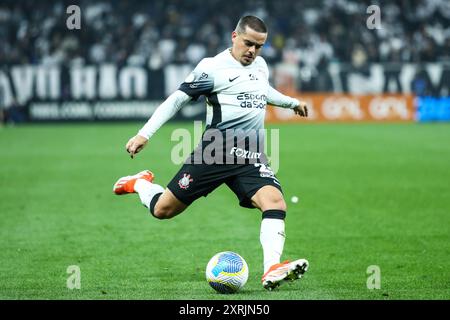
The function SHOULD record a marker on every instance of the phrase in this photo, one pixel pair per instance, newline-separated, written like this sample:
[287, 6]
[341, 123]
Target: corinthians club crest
[184, 182]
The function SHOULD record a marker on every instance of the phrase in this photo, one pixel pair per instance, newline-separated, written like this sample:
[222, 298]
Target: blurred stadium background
[139, 51]
[373, 183]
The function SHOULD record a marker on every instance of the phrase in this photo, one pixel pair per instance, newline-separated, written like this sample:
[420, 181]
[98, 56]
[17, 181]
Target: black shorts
[196, 180]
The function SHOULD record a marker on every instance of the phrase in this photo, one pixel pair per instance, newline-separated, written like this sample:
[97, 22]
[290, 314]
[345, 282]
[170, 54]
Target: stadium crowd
[157, 32]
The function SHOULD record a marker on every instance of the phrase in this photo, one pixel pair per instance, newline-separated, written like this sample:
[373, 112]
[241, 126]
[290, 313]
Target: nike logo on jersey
[232, 79]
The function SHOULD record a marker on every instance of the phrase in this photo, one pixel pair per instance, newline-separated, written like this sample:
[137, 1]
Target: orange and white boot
[126, 184]
[285, 271]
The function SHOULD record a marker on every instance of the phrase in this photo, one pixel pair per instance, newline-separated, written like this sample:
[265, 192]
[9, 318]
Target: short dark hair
[253, 23]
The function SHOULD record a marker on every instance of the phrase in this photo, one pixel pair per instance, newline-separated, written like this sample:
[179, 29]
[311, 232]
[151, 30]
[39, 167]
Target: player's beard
[246, 60]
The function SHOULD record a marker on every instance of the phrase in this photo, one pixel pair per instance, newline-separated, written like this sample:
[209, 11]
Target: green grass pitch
[369, 194]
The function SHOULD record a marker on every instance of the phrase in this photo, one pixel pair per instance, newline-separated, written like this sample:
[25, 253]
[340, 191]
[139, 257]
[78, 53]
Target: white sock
[147, 191]
[272, 238]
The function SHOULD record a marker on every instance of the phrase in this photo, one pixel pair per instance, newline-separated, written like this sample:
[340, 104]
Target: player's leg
[257, 187]
[255, 190]
[161, 203]
[269, 198]
[270, 201]
[272, 237]
[167, 206]
[190, 183]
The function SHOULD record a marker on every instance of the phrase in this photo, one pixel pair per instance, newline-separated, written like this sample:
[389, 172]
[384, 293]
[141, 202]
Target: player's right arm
[162, 114]
[198, 83]
[276, 98]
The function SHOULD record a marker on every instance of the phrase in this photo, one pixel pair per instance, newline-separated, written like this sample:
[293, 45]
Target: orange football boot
[126, 184]
[285, 271]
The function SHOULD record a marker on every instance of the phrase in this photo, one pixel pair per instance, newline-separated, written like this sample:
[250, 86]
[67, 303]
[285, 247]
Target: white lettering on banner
[341, 107]
[133, 82]
[83, 82]
[367, 84]
[387, 107]
[6, 95]
[44, 111]
[124, 110]
[45, 79]
[65, 111]
[435, 72]
[22, 78]
[21, 84]
[174, 75]
[48, 82]
[108, 81]
[406, 76]
[75, 110]
[88, 111]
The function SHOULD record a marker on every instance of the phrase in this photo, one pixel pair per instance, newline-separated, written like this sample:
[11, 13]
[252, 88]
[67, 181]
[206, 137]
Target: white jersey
[236, 95]
[236, 100]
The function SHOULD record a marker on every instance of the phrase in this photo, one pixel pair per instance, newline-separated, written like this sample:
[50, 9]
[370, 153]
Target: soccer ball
[227, 272]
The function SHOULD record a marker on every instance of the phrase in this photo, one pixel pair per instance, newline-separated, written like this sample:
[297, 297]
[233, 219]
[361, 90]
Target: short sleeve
[198, 82]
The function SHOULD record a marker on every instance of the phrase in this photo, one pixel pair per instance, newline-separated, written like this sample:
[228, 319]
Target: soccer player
[236, 86]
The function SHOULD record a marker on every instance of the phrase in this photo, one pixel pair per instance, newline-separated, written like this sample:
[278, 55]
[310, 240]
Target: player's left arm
[278, 99]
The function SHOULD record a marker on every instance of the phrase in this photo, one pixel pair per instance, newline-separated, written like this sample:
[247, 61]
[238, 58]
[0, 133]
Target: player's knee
[163, 212]
[274, 204]
[279, 204]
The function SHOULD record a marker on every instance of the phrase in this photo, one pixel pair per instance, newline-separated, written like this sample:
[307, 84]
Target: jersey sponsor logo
[185, 181]
[232, 79]
[246, 154]
[250, 100]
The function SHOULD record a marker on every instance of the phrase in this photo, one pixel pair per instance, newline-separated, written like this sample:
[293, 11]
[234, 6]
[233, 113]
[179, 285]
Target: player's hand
[301, 109]
[136, 144]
